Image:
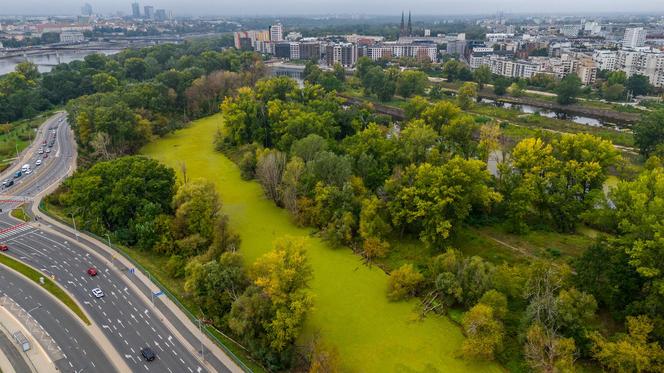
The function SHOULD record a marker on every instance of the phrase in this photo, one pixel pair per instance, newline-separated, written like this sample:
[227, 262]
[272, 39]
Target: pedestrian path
[14, 230]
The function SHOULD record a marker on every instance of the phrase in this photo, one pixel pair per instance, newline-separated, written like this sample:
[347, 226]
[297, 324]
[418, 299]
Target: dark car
[148, 354]
[18, 174]
[9, 183]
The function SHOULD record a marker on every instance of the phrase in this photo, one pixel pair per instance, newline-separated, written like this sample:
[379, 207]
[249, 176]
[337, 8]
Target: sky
[316, 7]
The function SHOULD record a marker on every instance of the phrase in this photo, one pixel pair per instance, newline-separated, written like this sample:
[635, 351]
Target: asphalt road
[13, 355]
[126, 318]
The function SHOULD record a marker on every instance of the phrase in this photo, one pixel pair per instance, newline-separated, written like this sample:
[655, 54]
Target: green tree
[638, 85]
[411, 82]
[135, 68]
[649, 133]
[440, 114]
[403, 283]
[104, 82]
[467, 95]
[482, 75]
[415, 106]
[433, 200]
[500, 86]
[614, 92]
[497, 301]
[484, 333]
[634, 352]
[568, 89]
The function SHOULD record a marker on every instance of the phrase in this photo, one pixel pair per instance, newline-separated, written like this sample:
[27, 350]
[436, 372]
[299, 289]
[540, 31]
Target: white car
[38, 162]
[28, 172]
[97, 293]
[48, 150]
[41, 150]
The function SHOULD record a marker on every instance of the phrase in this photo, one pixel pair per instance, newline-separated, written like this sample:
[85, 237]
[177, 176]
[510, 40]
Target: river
[47, 60]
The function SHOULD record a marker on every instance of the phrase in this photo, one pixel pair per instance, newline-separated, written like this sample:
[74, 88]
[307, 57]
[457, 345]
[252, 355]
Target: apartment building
[344, 54]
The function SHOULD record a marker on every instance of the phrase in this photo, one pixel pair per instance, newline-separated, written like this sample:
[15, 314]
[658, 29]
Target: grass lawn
[351, 309]
[19, 213]
[49, 285]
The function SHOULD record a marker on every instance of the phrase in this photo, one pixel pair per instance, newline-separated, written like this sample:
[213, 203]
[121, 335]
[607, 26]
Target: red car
[92, 271]
[4, 247]
[45, 155]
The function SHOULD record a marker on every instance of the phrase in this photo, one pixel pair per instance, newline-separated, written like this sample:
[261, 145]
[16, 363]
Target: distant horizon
[354, 8]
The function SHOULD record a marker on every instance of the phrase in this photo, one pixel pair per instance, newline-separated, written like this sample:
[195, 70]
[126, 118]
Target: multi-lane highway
[125, 315]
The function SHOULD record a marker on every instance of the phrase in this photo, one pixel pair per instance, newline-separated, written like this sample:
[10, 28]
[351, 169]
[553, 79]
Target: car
[97, 293]
[38, 162]
[41, 150]
[44, 142]
[18, 174]
[92, 271]
[148, 354]
[48, 150]
[4, 247]
[9, 183]
[28, 172]
[45, 155]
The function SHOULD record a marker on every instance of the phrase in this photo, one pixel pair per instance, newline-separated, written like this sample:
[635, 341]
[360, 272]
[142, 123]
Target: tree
[451, 69]
[568, 89]
[635, 352]
[434, 199]
[135, 68]
[270, 314]
[440, 114]
[411, 82]
[329, 168]
[482, 75]
[467, 95]
[270, 167]
[614, 92]
[197, 208]
[415, 106]
[500, 86]
[290, 187]
[104, 82]
[638, 85]
[374, 226]
[649, 133]
[416, 141]
[616, 77]
[515, 90]
[403, 282]
[484, 334]
[308, 147]
[546, 352]
[497, 301]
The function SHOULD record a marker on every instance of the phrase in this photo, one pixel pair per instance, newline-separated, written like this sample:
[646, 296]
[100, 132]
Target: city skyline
[369, 7]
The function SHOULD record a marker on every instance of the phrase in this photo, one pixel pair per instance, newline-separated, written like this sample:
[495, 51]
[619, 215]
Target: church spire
[402, 29]
[410, 25]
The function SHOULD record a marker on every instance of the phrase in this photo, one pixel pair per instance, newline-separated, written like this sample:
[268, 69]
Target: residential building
[276, 33]
[294, 50]
[258, 40]
[570, 31]
[344, 54]
[457, 47]
[148, 12]
[634, 37]
[282, 49]
[310, 50]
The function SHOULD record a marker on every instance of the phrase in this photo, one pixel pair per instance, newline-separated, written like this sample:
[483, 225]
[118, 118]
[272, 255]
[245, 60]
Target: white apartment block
[634, 37]
[71, 37]
[390, 50]
[649, 63]
[505, 66]
[294, 51]
[276, 32]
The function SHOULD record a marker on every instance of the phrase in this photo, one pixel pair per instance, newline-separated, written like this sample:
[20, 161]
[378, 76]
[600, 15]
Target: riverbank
[351, 310]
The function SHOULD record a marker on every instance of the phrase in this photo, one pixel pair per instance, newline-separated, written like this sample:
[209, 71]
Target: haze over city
[370, 7]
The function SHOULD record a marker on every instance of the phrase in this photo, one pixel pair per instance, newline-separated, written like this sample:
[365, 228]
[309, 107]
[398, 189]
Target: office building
[86, 10]
[71, 37]
[160, 15]
[148, 12]
[634, 37]
[276, 33]
[282, 49]
[135, 10]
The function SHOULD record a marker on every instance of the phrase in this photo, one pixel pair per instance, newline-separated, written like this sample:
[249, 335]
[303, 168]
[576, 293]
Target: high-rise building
[86, 9]
[344, 54]
[135, 10]
[160, 14]
[634, 37]
[148, 12]
[276, 33]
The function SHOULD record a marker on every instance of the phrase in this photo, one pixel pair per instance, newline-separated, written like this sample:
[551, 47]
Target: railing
[163, 288]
